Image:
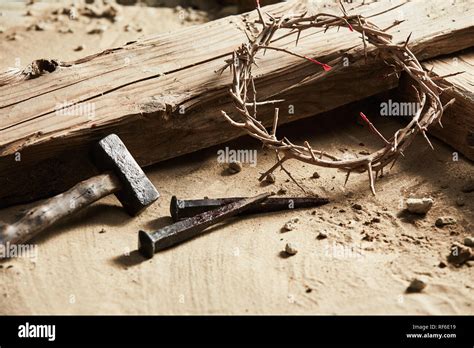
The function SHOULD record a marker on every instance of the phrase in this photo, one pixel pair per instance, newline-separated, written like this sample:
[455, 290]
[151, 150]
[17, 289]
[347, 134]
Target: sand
[89, 263]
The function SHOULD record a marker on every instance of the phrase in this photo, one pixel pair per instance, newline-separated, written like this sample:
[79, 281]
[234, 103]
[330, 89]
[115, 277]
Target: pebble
[416, 285]
[282, 191]
[468, 187]
[270, 178]
[322, 235]
[12, 37]
[469, 241]
[419, 205]
[459, 254]
[356, 206]
[234, 167]
[79, 48]
[460, 202]
[40, 26]
[98, 30]
[65, 30]
[445, 220]
[316, 175]
[291, 225]
[291, 249]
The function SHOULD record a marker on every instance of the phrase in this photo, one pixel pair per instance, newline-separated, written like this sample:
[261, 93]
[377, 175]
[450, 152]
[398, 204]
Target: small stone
[459, 254]
[468, 187]
[65, 30]
[12, 37]
[469, 241]
[291, 249]
[316, 175]
[460, 202]
[419, 205]
[97, 30]
[364, 153]
[270, 178]
[356, 206]
[282, 191]
[321, 235]
[291, 225]
[445, 220]
[442, 265]
[79, 48]
[102, 230]
[234, 167]
[416, 285]
[40, 26]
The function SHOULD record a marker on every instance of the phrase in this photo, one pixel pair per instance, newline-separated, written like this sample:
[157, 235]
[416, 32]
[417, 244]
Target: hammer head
[137, 192]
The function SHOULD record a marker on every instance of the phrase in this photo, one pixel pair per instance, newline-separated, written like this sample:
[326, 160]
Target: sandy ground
[89, 264]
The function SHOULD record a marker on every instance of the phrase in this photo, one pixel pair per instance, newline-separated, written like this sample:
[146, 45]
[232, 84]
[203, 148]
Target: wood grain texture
[458, 121]
[161, 95]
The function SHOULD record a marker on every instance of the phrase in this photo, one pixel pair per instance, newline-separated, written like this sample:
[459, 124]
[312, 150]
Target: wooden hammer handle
[58, 207]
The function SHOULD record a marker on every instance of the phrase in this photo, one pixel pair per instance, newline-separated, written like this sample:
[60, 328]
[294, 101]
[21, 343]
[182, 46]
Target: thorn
[298, 37]
[408, 39]
[428, 140]
[347, 177]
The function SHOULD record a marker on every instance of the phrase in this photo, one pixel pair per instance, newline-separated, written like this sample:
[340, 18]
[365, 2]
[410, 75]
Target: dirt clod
[445, 220]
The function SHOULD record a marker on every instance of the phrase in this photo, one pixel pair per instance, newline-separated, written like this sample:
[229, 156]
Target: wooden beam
[455, 71]
[458, 120]
[163, 97]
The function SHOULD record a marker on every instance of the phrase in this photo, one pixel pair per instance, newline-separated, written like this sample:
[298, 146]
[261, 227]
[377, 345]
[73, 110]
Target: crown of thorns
[398, 56]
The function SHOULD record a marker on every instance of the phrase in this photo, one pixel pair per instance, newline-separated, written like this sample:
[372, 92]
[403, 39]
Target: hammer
[121, 175]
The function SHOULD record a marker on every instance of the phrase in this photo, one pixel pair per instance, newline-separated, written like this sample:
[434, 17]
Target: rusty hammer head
[137, 192]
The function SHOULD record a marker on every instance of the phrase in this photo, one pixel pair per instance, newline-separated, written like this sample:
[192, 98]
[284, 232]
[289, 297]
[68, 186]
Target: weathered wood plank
[458, 121]
[163, 97]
